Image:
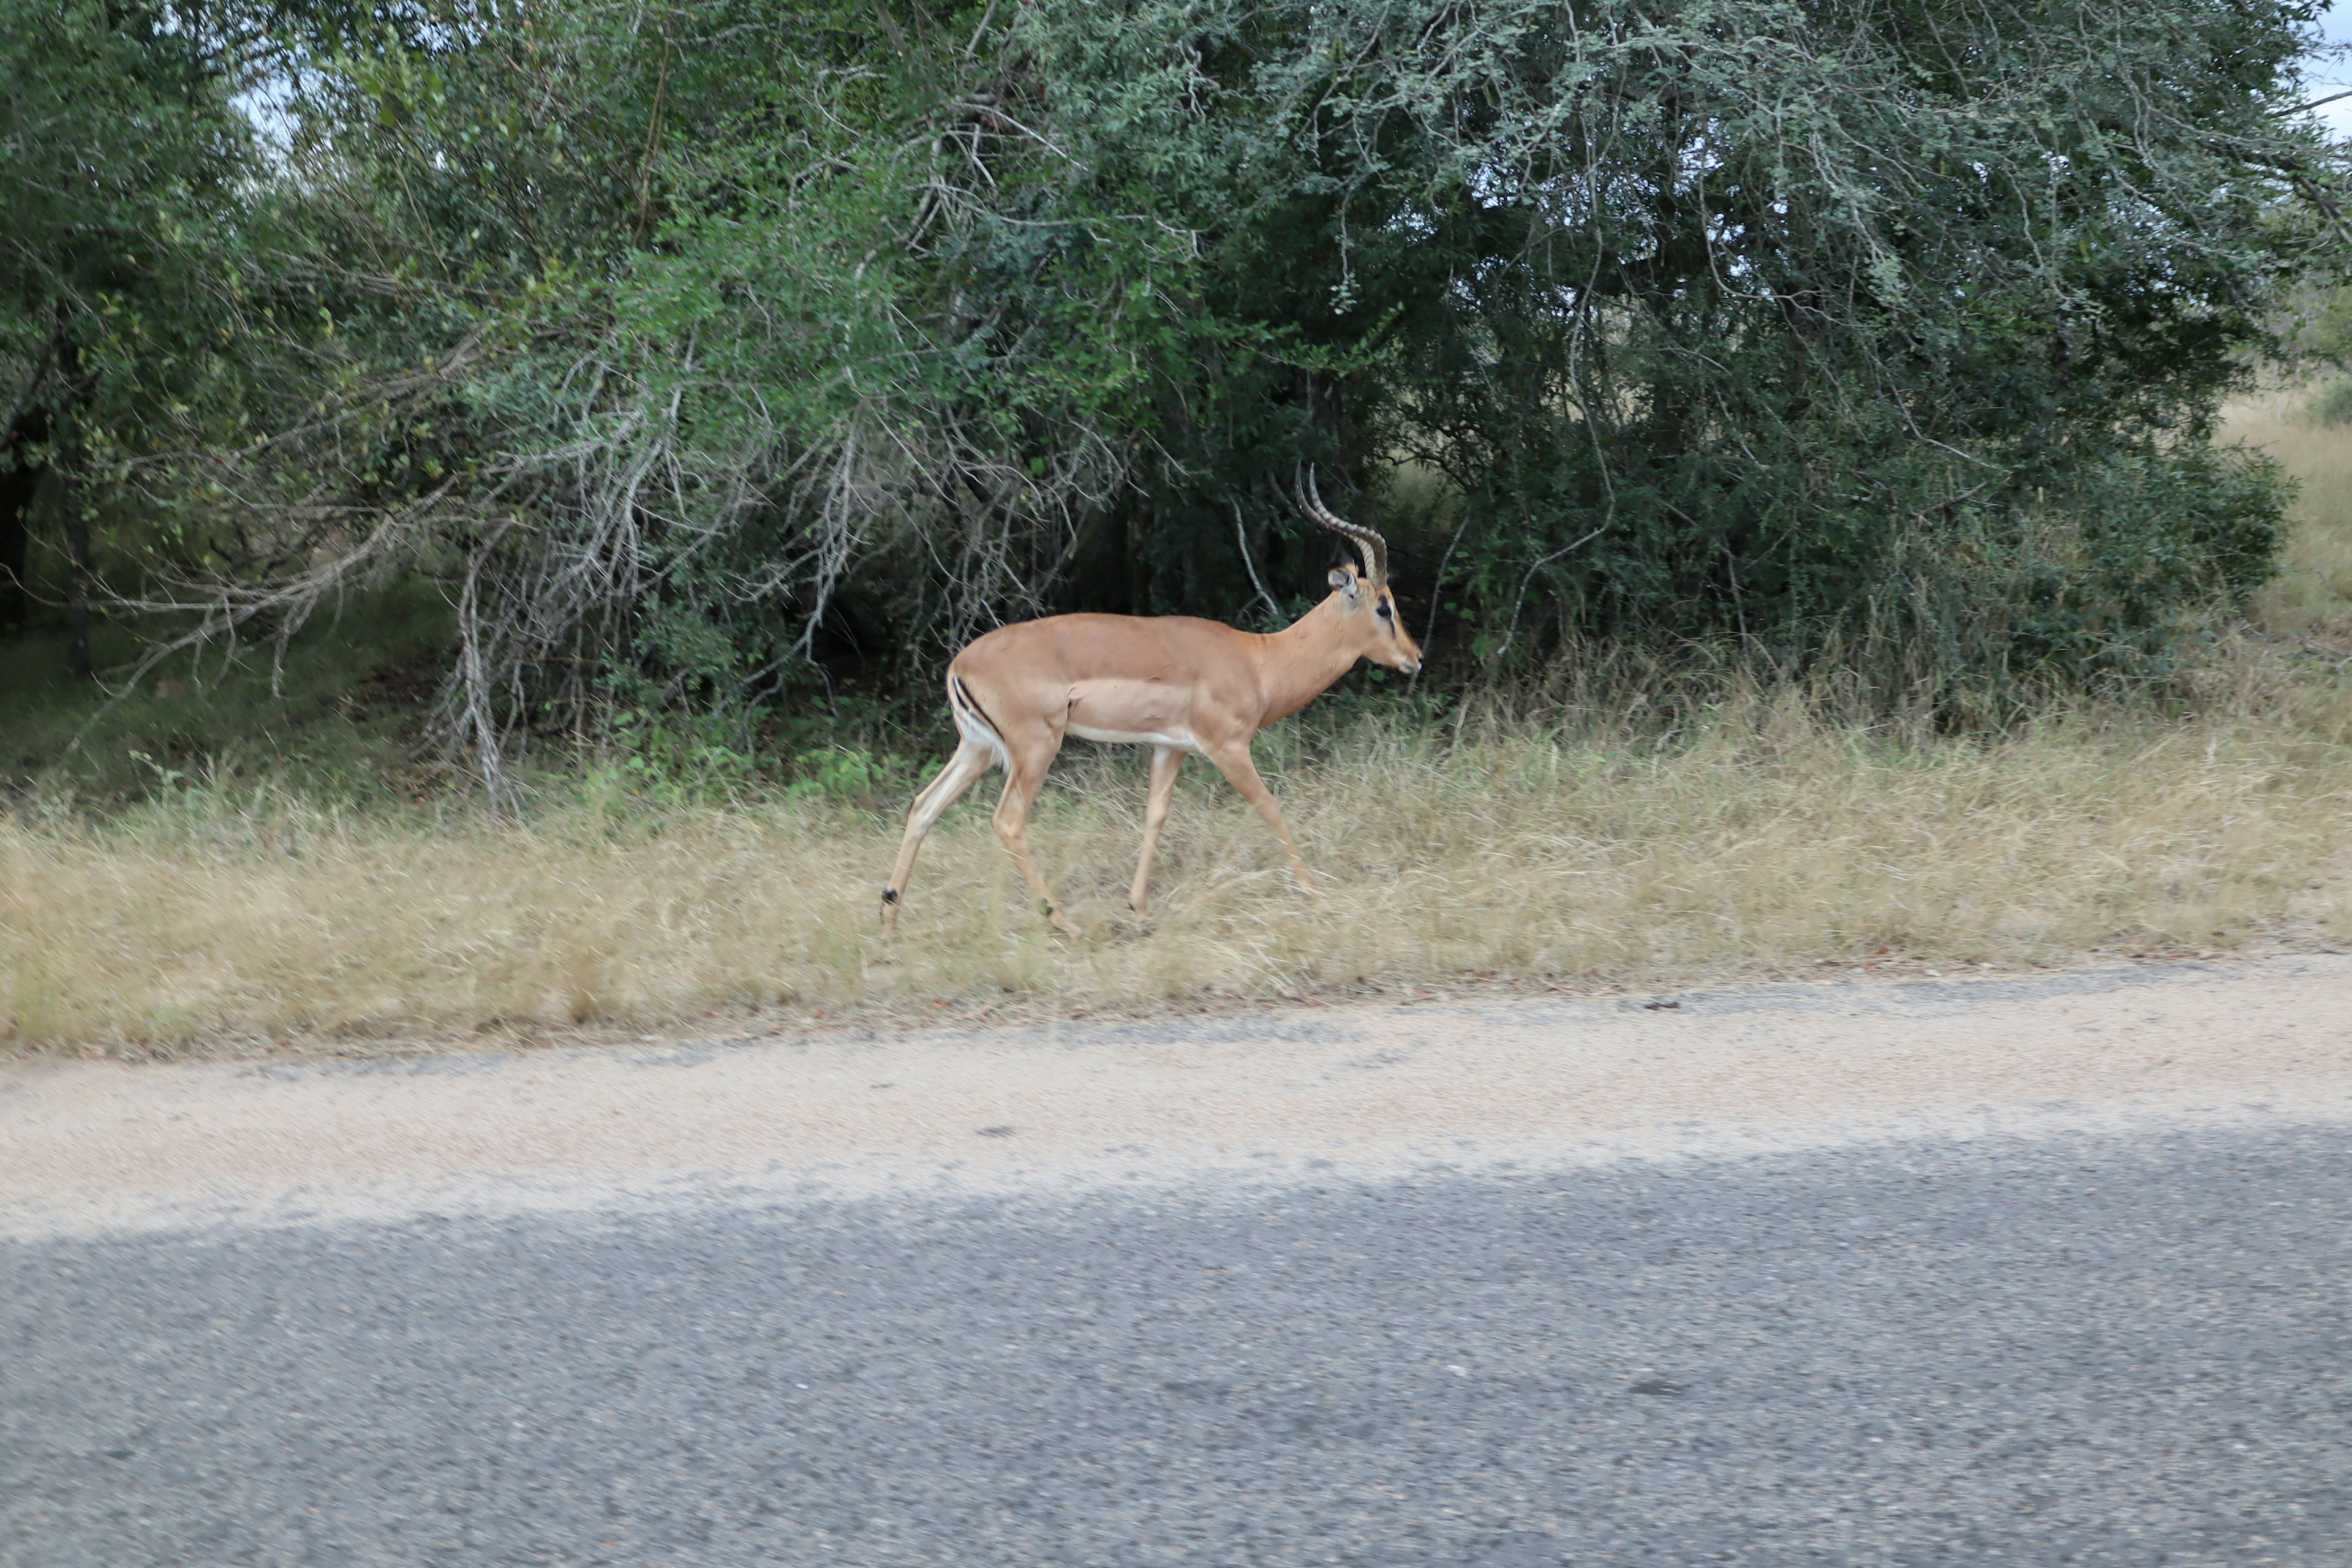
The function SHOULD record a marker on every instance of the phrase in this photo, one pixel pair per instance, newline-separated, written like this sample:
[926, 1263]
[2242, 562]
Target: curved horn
[1375, 548]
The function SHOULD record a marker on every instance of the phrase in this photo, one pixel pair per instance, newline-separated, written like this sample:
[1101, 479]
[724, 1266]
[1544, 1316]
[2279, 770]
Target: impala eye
[1384, 610]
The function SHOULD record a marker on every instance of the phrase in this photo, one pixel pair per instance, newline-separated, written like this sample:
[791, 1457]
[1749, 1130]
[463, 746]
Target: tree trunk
[1139, 555]
[77, 520]
[18, 485]
[77, 581]
[16, 489]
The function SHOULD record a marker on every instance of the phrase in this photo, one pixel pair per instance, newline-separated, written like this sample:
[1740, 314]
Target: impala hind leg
[1241, 771]
[970, 761]
[1025, 775]
[1165, 762]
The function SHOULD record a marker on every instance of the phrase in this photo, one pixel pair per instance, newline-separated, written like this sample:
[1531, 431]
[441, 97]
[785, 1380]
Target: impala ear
[1347, 582]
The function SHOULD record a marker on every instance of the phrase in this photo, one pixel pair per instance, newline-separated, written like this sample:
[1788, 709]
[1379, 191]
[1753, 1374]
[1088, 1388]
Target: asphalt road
[2132, 1348]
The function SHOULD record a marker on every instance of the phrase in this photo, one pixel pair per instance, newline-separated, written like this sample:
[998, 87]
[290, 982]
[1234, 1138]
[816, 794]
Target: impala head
[1369, 607]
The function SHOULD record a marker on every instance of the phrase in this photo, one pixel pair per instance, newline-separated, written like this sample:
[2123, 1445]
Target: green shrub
[2332, 404]
[726, 346]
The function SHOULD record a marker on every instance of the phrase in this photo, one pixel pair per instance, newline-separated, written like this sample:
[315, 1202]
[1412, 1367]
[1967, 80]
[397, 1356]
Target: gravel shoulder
[1303, 1094]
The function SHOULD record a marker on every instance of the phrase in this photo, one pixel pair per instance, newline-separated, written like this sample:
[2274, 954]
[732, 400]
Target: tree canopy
[120, 148]
[708, 348]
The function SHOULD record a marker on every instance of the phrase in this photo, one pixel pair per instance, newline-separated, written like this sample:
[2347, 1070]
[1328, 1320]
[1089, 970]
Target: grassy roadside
[1766, 842]
[1761, 839]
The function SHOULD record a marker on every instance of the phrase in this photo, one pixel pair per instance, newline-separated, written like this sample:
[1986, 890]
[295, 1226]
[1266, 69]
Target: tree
[695, 340]
[119, 147]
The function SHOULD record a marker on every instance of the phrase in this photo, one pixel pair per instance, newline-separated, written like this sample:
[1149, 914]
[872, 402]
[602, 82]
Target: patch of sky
[2328, 70]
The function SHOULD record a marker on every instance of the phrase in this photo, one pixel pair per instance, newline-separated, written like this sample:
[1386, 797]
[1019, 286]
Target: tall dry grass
[1762, 837]
[2313, 594]
[1764, 840]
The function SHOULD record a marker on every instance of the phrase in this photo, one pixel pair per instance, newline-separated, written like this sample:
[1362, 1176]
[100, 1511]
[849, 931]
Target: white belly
[1180, 738]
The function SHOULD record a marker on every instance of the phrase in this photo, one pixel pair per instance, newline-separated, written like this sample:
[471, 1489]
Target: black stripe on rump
[963, 694]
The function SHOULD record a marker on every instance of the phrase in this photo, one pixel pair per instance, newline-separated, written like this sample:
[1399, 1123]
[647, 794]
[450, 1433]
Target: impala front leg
[1165, 762]
[1234, 762]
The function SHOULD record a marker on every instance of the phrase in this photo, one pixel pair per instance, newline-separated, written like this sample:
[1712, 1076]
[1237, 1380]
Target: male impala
[1170, 682]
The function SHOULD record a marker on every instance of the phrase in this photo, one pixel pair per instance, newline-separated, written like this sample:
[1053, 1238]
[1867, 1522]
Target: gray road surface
[2130, 1349]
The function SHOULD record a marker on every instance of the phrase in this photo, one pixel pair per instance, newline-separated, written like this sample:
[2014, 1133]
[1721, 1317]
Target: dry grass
[2313, 596]
[1763, 840]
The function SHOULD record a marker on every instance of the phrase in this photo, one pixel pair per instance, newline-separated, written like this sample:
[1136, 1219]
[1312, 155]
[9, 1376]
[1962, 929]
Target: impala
[1171, 682]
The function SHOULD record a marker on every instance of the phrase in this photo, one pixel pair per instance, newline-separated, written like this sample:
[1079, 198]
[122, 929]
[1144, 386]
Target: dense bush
[2332, 404]
[120, 150]
[713, 348]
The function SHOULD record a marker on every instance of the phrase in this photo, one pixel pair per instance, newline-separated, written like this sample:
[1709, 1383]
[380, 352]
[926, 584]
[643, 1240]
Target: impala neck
[1300, 662]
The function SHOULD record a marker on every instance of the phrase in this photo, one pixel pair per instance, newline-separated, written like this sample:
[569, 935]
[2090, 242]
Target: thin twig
[1539, 566]
[1241, 538]
[1436, 588]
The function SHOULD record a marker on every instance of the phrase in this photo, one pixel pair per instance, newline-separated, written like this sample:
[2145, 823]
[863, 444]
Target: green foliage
[1776, 305]
[713, 351]
[675, 759]
[2097, 577]
[337, 722]
[1822, 324]
[2332, 404]
[846, 774]
[117, 141]
[120, 153]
